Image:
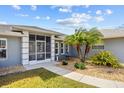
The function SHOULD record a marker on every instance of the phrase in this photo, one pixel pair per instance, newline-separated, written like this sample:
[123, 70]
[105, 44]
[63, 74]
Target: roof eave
[39, 30]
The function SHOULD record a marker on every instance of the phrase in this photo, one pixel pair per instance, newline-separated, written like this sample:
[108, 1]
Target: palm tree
[76, 40]
[83, 37]
[92, 37]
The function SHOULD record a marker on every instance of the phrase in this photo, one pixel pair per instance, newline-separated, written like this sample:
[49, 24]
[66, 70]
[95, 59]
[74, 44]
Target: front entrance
[39, 49]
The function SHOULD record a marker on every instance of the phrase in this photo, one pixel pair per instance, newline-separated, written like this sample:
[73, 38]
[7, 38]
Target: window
[32, 57]
[40, 37]
[98, 47]
[32, 50]
[66, 48]
[31, 47]
[3, 48]
[48, 55]
[62, 48]
[31, 37]
[48, 44]
[40, 47]
[56, 45]
[48, 47]
[41, 56]
[57, 48]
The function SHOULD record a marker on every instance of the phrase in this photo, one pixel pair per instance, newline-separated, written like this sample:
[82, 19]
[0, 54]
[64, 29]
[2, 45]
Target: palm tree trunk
[87, 49]
[85, 53]
[81, 54]
[79, 51]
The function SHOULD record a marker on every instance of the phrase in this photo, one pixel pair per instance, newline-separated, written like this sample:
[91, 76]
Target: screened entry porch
[39, 48]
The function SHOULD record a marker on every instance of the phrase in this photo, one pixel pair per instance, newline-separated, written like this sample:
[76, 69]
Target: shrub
[64, 62]
[105, 58]
[80, 65]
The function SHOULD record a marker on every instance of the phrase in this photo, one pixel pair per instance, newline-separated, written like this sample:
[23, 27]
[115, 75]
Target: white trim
[25, 39]
[25, 44]
[3, 38]
[6, 48]
[24, 56]
[38, 30]
[25, 47]
[39, 61]
[15, 34]
[53, 48]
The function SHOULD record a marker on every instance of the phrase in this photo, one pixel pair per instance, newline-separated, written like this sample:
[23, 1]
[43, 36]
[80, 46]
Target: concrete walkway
[102, 83]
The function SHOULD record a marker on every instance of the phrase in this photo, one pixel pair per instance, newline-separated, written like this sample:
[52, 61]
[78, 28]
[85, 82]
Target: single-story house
[27, 45]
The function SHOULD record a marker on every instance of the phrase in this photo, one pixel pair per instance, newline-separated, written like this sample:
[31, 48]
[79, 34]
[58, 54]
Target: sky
[64, 19]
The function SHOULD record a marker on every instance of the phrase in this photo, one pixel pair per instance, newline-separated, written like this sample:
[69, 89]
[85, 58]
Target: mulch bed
[96, 71]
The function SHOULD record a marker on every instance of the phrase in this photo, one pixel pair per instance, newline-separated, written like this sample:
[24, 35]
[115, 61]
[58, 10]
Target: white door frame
[39, 61]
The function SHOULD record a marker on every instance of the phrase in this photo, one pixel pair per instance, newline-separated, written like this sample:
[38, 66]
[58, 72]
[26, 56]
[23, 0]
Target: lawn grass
[39, 78]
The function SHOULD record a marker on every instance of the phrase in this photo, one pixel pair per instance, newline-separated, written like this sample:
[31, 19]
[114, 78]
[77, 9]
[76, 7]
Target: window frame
[93, 47]
[57, 48]
[35, 47]
[6, 48]
[36, 41]
[61, 47]
[66, 47]
[42, 52]
[48, 52]
[48, 45]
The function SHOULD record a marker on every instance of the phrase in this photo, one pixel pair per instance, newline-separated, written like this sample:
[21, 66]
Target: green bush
[64, 62]
[105, 58]
[80, 65]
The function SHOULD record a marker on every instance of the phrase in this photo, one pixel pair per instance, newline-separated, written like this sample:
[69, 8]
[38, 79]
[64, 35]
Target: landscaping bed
[103, 72]
[39, 78]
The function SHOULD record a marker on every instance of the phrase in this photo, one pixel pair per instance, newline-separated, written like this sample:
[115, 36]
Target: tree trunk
[79, 51]
[87, 49]
[81, 54]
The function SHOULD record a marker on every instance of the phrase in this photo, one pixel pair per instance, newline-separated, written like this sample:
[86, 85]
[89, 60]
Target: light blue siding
[13, 52]
[73, 52]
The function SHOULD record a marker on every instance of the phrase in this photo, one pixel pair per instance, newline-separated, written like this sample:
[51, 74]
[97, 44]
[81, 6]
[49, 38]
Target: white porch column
[25, 48]
[52, 48]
